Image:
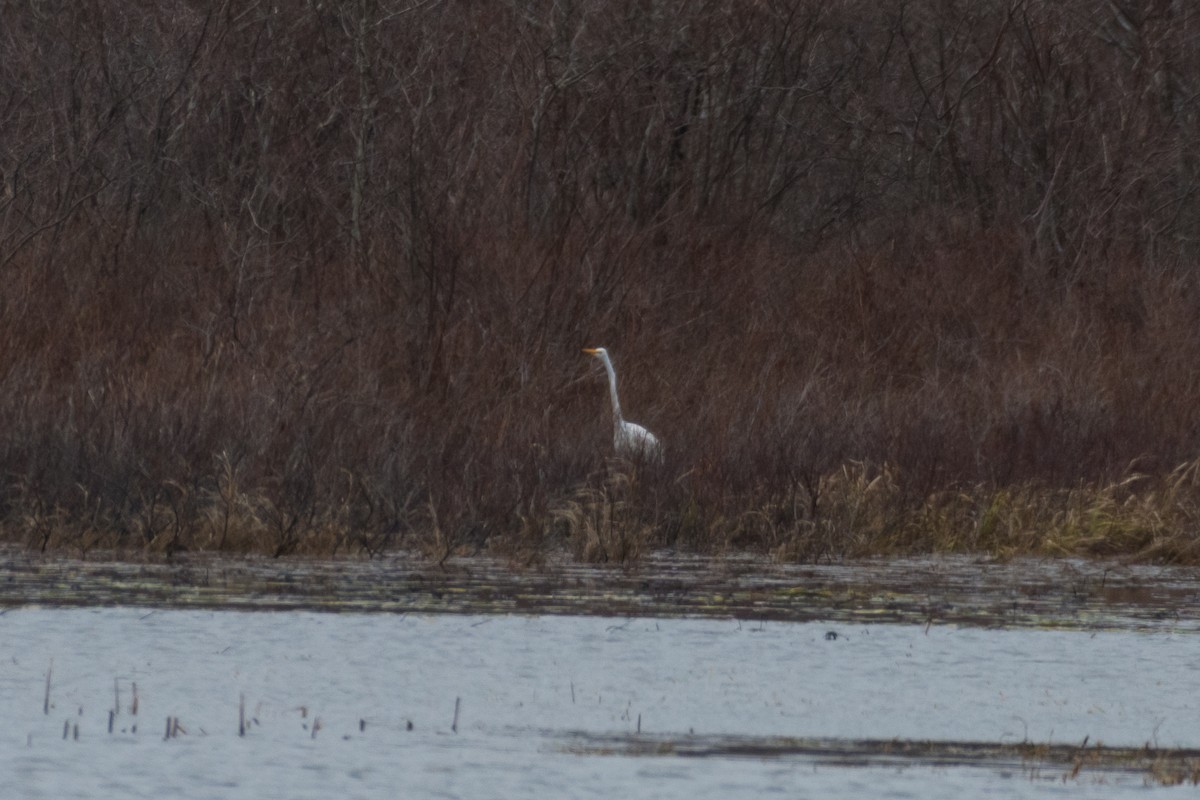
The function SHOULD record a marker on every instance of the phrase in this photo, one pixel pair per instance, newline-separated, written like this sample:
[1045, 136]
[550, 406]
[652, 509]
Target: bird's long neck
[612, 390]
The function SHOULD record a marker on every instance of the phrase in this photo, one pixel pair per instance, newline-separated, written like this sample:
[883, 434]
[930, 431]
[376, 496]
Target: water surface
[568, 706]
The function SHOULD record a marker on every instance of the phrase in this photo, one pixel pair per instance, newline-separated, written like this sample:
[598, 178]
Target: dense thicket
[318, 274]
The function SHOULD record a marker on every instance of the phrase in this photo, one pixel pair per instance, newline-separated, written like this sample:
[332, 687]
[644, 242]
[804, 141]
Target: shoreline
[947, 590]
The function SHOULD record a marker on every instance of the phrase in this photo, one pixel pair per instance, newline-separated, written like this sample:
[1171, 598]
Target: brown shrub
[316, 279]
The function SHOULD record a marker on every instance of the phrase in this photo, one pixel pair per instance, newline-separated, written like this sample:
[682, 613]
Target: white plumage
[630, 440]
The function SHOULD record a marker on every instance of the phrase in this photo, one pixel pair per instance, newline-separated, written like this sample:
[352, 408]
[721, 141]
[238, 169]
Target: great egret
[630, 440]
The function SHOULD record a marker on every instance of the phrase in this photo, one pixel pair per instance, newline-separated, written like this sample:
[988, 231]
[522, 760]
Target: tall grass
[884, 278]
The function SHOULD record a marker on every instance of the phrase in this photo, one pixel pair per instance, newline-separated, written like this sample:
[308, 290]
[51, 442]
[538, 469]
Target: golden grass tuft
[602, 523]
[1140, 517]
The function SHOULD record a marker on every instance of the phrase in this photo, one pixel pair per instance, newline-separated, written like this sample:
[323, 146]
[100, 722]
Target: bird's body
[630, 440]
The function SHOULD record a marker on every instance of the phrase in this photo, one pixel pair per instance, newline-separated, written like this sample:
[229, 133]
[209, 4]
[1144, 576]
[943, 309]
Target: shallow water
[550, 706]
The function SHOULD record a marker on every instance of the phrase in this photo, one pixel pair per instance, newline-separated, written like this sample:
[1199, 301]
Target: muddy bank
[1166, 766]
[949, 590]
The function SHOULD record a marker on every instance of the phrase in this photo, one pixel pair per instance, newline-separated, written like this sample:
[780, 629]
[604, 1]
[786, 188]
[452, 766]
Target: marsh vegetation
[889, 277]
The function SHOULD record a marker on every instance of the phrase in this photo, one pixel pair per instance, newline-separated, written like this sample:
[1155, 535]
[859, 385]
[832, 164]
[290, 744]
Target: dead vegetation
[1041, 761]
[885, 278]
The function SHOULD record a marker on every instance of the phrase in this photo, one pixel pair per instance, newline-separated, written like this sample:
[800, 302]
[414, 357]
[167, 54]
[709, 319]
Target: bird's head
[599, 352]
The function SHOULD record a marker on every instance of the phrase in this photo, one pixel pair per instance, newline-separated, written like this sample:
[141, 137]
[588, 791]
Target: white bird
[630, 440]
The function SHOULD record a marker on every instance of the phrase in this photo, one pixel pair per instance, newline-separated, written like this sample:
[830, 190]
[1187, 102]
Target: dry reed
[332, 301]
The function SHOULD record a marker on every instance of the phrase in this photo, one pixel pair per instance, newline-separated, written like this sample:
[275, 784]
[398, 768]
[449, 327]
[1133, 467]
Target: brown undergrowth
[316, 280]
[620, 513]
